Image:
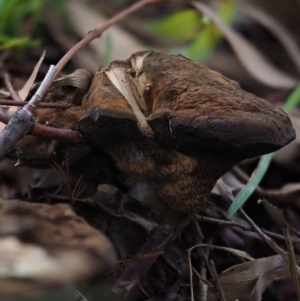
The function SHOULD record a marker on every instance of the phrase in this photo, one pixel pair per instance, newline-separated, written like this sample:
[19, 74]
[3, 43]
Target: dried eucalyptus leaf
[251, 278]
[80, 79]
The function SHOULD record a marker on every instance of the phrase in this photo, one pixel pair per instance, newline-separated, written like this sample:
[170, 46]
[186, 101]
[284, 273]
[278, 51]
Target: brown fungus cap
[177, 126]
[198, 109]
[109, 119]
[189, 107]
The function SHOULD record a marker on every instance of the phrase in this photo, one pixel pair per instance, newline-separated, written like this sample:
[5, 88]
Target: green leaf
[181, 26]
[228, 10]
[202, 46]
[13, 14]
[293, 101]
[206, 40]
[255, 179]
[10, 42]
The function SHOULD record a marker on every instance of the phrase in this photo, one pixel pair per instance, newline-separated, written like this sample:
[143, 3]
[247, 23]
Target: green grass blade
[263, 164]
[292, 101]
[253, 182]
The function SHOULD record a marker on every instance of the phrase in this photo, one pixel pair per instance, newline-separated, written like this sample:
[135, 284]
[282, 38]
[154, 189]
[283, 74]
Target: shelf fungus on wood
[177, 125]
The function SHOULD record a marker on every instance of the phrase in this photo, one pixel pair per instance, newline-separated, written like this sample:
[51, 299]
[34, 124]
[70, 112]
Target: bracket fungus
[176, 125]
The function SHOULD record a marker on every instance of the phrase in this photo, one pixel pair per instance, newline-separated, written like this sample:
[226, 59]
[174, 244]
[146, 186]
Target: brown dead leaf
[24, 177]
[249, 280]
[43, 246]
[80, 79]
[275, 213]
[267, 278]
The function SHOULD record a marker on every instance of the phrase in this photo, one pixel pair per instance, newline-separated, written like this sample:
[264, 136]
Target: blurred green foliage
[180, 27]
[19, 18]
[14, 14]
[190, 26]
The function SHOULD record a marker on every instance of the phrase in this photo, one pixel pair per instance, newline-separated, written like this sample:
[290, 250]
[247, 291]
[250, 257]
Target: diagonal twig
[215, 276]
[26, 89]
[292, 262]
[51, 105]
[15, 96]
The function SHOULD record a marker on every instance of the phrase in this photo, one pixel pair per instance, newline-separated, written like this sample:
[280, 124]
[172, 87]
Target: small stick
[202, 218]
[39, 94]
[215, 276]
[96, 33]
[202, 279]
[46, 132]
[15, 96]
[50, 105]
[268, 240]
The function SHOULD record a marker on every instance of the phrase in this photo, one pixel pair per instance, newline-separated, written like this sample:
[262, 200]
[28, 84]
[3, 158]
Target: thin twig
[202, 279]
[292, 262]
[203, 289]
[230, 250]
[206, 219]
[143, 256]
[20, 103]
[96, 33]
[65, 199]
[215, 276]
[58, 134]
[268, 240]
[78, 189]
[42, 89]
[15, 96]
[79, 296]
[203, 293]
[279, 236]
[65, 176]
[46, 132]
[20, 123]
[26, 88]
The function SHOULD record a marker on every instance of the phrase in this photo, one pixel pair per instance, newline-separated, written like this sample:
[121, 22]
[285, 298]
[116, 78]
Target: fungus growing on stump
[177, 125]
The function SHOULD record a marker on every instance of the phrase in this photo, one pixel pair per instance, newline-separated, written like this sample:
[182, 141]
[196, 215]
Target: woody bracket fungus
[178, 126]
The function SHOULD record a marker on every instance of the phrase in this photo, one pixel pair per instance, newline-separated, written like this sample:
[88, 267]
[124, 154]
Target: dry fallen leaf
[42, 246]
[276, 214]
[249, 280]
